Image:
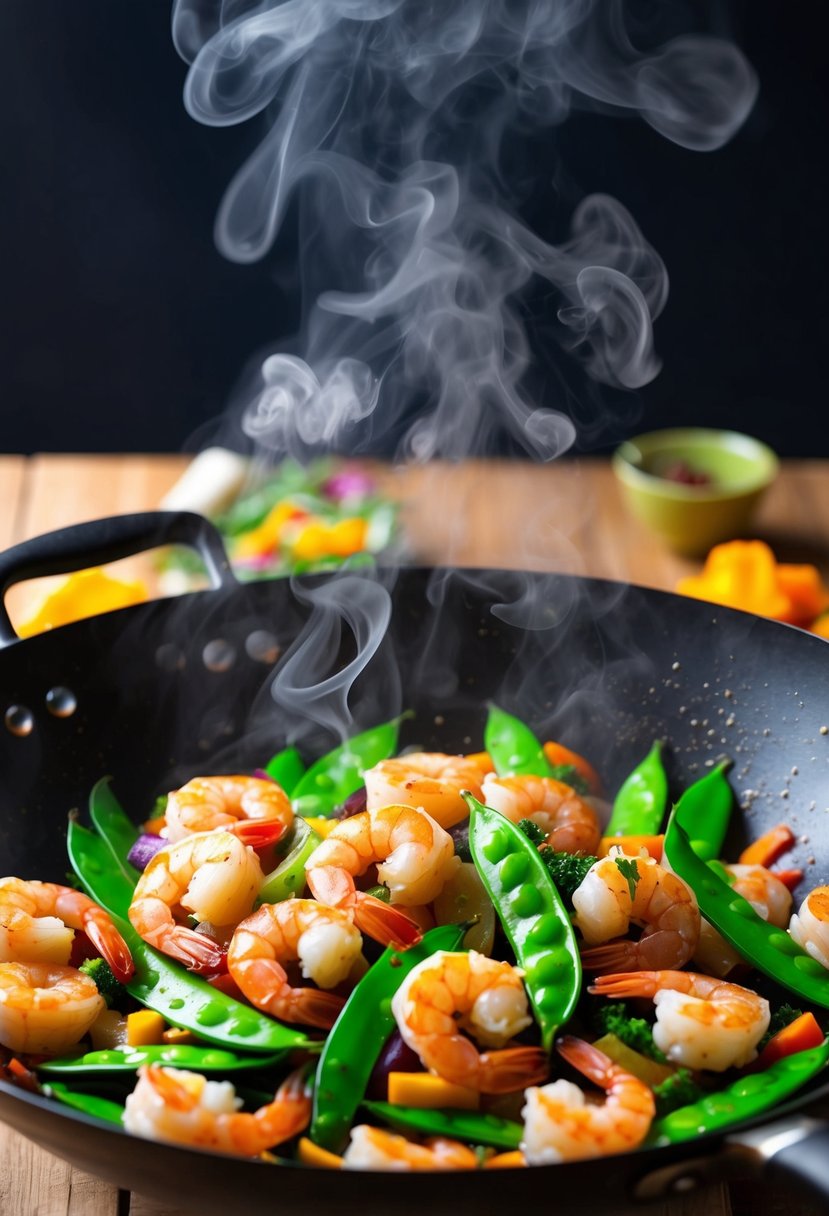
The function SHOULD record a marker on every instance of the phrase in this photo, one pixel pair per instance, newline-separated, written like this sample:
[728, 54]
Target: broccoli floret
[100, 972]
[782, 1017]
[532, 831]
[678, 1090]
[566, 870]
[570, 775]
[613, 1018]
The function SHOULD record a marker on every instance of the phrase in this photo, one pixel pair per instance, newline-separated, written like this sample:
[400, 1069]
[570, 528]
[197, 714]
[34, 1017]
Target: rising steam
[389, 121]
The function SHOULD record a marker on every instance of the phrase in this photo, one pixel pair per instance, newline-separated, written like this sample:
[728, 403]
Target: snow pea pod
[161, 984]
[89, 1104]
[288, 879]
[704, 811]
[769, 949]
[532, 914]
[743, 1099]
[114, 826]
[192, 1056]
[468, 1125]
[339, 773]
[512, 746]
[640, 805]
[357, 1037]
[286, 768]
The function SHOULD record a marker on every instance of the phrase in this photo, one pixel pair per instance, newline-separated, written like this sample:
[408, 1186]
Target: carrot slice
[768, 847]
[789, 878]
[557, 753]
[801, 1034]
[632, 845]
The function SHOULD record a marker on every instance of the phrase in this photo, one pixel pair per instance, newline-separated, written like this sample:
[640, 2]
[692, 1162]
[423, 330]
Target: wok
[171, 688]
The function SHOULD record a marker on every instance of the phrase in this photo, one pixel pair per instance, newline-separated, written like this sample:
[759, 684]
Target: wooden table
[566, 516]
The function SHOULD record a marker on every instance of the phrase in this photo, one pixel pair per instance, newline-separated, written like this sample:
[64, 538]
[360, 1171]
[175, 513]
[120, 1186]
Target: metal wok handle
[106, 540]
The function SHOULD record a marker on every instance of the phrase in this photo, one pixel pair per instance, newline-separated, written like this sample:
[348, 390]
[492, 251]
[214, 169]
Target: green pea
[531, 912]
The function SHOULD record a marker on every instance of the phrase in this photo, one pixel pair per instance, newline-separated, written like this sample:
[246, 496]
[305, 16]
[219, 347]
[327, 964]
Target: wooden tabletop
[567, 517]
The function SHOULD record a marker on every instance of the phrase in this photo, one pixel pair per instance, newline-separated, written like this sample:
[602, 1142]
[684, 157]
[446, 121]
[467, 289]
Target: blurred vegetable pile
[745, 574]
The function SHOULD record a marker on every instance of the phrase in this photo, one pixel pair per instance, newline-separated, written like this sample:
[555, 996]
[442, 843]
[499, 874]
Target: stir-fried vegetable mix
[418, 961]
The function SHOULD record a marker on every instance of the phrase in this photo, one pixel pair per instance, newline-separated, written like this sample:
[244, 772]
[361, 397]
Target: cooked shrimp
[257, 811]
[371, 1148]
[186, 1108]
[448, 993]
[429, 780]
[415, 858]
[45, 1007]
[38, 919]
[568, 820]
[810, 925]
[770, 898]
[661, 903]
[701, 1021]
[561, 1125]
[211, 874]
[323, 939]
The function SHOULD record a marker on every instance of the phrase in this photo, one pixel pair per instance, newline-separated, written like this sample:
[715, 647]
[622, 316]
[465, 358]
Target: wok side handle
[107, 540]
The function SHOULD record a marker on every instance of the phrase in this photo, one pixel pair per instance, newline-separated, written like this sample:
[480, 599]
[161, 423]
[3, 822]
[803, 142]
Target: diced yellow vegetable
[423, 1090]
[145, 1028]
[311, 1154]
[505, 1161]
[321, 825]
[174, 1034]
[84, 594]
[647, 1070]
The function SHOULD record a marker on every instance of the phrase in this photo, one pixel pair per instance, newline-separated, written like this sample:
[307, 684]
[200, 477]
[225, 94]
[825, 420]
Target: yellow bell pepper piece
[647, 1070]
[145, 1028]
[175, 1035]
[506, 1161]
[423, 1090]
[84, 594]
[740, 574]
[267, 536]
[320, 824]
[311, 1154]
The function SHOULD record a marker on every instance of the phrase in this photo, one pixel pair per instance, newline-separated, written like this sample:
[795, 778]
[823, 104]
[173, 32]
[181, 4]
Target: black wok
[601, 666]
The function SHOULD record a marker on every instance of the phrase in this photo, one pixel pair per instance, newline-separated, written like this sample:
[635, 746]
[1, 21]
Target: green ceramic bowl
[692, 518]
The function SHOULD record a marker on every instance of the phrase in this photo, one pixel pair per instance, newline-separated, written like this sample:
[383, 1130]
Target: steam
[391, 123]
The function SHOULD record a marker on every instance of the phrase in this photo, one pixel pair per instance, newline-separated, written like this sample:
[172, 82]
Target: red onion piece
[353, 805]
[145, 849]
[262, 775]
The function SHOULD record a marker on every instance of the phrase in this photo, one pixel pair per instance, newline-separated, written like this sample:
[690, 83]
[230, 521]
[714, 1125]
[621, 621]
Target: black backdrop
[123, 328]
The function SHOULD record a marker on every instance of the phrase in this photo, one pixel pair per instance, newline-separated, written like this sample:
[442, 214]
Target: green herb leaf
[628, 869]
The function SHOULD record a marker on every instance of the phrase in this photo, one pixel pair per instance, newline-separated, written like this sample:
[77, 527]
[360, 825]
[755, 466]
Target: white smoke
[388, 121]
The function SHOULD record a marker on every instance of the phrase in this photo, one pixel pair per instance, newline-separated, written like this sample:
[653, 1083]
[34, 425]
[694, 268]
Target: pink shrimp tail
[111, 945]
[512, 1068]
[613, 956]
[385, 924]
[311, 1007]
[257, 834]
[587, 1060]
[196, 950]
[631, 983]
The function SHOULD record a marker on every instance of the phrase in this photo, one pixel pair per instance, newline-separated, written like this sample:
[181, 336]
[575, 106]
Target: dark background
[123, 328]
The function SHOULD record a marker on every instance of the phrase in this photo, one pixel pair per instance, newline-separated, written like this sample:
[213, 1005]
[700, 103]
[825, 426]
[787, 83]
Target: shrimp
[620, 890]
[569, 821]
[448, 993]
[416, 858]
[211, 874]
[372, 1148]
[770, 898]
[429, 780]
[323, 939]
[560, 1125]
[810, 925]
[38, 919]
[701, 1021]
[185, 1108]
[257, 811]
[45, 1008]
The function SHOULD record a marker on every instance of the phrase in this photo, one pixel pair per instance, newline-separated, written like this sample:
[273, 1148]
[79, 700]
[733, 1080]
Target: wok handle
[106, 540]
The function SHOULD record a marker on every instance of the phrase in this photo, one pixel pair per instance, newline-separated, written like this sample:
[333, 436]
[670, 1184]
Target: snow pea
[642, 800]
[89, 1104]
[288, 879]
[704, 811]
[339, 773]
[286, 768]
[532, 914]
[359, 1033]
[743, 1099]
[512, 746]
[769, 949]
[114, 826]
[159, 982]
[466, 1125]
[192, 1056]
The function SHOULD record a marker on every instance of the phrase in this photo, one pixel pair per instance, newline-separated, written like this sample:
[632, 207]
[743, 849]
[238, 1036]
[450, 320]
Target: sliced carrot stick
[801, 1034]
[632, 845]
[789, 878]
[769, 846]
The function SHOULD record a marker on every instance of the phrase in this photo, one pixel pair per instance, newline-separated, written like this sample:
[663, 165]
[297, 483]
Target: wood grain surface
[567, 517]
